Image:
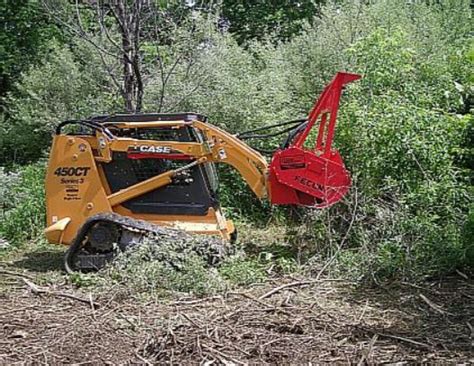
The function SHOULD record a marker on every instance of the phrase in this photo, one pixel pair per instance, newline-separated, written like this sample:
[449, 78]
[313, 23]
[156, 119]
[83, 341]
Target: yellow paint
[55, 232]
[62, 200]
[140, 188]
[71, 199]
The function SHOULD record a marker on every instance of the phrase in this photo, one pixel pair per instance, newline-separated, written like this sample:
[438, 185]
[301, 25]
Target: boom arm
[221, 147]
[226, 148]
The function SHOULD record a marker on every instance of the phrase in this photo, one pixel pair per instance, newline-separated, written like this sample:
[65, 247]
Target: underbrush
[22, 203]
[160, 269]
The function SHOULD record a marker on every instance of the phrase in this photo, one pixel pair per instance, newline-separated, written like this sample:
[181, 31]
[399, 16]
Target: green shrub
[23, 207]
[61, 88]
[157, 269]
[401, 131]
[243, 271]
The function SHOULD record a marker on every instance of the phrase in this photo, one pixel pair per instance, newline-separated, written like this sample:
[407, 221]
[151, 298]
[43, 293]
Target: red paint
[313, 177]
[159, 156]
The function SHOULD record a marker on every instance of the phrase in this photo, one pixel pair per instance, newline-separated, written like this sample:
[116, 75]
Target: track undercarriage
[104, 236]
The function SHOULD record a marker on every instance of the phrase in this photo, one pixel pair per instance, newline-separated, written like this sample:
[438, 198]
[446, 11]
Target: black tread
[146, 227]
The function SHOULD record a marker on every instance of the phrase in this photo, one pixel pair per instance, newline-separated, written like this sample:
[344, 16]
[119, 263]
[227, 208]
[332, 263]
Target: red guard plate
[319, 182]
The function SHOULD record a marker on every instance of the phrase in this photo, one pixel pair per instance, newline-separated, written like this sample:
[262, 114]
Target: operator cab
[192, 193]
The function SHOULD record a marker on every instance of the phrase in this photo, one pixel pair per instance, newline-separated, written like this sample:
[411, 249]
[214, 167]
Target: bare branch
[101, 16]
[77, 32]
[165, 78]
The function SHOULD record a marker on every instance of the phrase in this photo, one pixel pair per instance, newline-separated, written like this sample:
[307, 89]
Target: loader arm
[218, 147]
[227, 148]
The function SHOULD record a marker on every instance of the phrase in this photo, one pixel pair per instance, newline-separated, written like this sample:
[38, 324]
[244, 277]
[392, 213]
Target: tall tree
[123, 32]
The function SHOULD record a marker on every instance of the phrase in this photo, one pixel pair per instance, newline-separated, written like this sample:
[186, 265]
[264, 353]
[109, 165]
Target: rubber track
[127, 223]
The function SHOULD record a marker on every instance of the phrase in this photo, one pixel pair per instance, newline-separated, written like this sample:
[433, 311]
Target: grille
[147, 168]
[157, 134]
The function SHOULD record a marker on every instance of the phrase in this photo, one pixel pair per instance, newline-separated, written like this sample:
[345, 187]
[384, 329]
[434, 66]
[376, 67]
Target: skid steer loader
[111, 180]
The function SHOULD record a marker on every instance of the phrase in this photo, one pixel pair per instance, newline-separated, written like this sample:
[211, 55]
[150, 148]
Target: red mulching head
[313, 177]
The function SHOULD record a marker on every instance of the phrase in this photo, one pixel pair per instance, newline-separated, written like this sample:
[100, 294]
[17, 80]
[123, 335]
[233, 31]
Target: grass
[160, 271]
[37, 258]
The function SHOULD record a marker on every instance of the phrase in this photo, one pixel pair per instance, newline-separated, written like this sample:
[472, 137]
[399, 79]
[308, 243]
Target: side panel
[73, 186]
[213, 223]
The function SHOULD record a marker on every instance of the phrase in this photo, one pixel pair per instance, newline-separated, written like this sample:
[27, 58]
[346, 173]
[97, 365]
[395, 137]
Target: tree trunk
[138, 85]
[127, 46]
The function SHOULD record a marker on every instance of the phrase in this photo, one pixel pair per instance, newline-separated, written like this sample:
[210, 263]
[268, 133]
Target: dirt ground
[286, 320]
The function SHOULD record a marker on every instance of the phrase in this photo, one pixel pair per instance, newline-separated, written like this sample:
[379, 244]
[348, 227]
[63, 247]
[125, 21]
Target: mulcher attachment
[313, 176]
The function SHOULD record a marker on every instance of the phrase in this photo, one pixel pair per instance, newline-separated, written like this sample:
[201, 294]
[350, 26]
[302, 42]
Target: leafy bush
[61, 88]
[161, 267]
[401, 134]
[157, 268]
[22, 204]
[401, 128]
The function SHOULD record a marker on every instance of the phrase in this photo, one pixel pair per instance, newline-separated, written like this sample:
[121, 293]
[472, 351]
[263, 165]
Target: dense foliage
[405, 130]
[22, 211]
[24, 34]
[258, 19]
